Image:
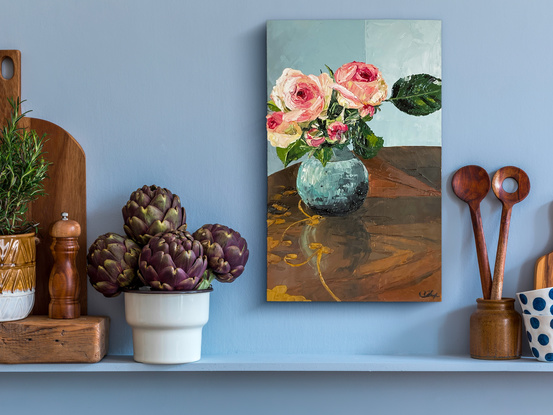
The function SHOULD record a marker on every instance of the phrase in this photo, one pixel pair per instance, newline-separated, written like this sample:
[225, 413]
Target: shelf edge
[295, 363]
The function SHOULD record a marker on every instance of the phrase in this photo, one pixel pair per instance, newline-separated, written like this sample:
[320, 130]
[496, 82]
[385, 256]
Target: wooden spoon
[508, 199]
[471, 184]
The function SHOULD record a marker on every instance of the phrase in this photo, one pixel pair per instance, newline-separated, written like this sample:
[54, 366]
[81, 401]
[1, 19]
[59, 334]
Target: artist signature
[428, 294]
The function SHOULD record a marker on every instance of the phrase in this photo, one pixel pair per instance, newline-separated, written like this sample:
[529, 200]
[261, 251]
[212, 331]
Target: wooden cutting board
[543, 274]
[65, 187]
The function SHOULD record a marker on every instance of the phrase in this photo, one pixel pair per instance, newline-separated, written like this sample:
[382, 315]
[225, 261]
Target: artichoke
[112, 264]
[172, 261]
[152, 210]
[226, 251]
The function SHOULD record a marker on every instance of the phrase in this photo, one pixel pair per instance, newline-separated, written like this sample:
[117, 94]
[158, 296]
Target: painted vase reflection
[336, 189]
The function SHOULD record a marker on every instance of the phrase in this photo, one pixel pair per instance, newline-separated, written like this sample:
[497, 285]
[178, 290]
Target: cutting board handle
[10, 88]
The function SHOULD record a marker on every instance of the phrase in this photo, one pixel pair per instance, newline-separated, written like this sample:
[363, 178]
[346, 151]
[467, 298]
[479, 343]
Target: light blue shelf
[298, 363]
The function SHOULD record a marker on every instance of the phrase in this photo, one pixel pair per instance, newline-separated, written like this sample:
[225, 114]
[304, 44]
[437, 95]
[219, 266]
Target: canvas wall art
[354, 160]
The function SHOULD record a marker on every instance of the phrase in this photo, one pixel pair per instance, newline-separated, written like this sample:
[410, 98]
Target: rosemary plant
[22, 171]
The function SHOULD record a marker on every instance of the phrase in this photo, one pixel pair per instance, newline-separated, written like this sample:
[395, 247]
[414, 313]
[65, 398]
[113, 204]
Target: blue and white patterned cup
[537, 302]
[539, 331]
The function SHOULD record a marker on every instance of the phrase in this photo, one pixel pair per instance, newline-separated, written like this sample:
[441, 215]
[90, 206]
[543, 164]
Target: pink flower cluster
[303, 98]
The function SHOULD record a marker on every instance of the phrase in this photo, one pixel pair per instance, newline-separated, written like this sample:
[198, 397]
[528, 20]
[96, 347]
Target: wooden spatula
[543, 274]
[66, 186]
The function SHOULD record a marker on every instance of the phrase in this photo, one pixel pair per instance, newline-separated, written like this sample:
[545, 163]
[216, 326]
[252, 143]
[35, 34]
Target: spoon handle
[499, 269]
[481, 250]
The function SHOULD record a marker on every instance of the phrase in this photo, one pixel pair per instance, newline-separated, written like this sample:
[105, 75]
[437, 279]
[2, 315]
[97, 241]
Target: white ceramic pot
[167, 325]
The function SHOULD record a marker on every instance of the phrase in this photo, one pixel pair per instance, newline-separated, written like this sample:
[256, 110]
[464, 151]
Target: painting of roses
[354, 160]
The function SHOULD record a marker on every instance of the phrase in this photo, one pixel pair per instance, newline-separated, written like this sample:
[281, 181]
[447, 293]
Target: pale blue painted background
[173, 93]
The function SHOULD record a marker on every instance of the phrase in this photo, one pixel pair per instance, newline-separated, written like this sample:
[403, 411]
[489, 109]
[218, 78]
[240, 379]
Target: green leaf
[365, 143]
[330, 71]
[417, 94]
[351, 115]
[22, 171]
[272, 106]
[323, 154]
[206, 280]
[334, 109]
[293, 152]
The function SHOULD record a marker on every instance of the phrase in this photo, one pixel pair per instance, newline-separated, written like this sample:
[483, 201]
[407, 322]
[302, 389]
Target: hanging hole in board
[510, 185]
[7, 68]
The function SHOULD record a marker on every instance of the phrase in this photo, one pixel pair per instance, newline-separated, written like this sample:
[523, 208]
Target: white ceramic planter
[17, 305]
[167, 325]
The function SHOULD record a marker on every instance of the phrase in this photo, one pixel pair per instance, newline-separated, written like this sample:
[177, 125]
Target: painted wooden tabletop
[389, 250]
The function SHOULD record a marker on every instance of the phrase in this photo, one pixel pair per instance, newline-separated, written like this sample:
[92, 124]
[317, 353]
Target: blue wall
[173, 93]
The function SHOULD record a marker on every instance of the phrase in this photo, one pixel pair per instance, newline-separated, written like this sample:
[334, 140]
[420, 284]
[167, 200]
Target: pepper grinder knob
[64, 283]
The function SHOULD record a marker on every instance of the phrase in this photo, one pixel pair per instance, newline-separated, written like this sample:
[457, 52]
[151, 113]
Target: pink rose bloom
[314, 138]
[360, 86]
[301, 97]
[281, 133]
[337, 132]
[367, 109]
[274, 120]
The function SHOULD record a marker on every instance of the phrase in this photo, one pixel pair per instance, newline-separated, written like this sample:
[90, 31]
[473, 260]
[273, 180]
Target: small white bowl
[539, 331]
[537, 302]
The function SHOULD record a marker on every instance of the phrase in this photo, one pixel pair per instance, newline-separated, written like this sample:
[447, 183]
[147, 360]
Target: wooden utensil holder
[495, 330]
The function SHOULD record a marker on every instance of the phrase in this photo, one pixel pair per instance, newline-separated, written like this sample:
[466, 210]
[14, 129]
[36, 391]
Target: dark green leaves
[22, 170]
[293, 152]
[323, 154]
[365, 143]
[334, 109]
[417, 94]
[351, 116]
[299, 148]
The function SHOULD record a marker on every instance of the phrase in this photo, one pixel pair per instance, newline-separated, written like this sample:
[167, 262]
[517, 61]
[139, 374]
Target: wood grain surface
[471, 184]
[64, 283]
[9, 88]
[543, 273]
[65, 187]
[388, 250]
[508, 200]
[38, 339]
[66, 192]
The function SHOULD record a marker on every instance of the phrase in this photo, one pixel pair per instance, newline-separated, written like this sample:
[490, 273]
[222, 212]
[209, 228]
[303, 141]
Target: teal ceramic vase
[337, 189]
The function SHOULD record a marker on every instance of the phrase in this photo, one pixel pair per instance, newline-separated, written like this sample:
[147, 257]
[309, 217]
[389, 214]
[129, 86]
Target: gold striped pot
[17, 276]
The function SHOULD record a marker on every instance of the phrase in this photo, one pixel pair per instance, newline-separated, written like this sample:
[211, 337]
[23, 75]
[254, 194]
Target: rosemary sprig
[22, 171]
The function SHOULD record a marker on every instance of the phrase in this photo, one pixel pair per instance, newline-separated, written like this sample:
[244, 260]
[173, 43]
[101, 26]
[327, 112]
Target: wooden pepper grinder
[64, 283]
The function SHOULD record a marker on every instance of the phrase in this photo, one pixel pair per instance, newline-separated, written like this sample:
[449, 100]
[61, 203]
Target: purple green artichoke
[172, 261]
[226, 251]
[152, 210]
[112, 264]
